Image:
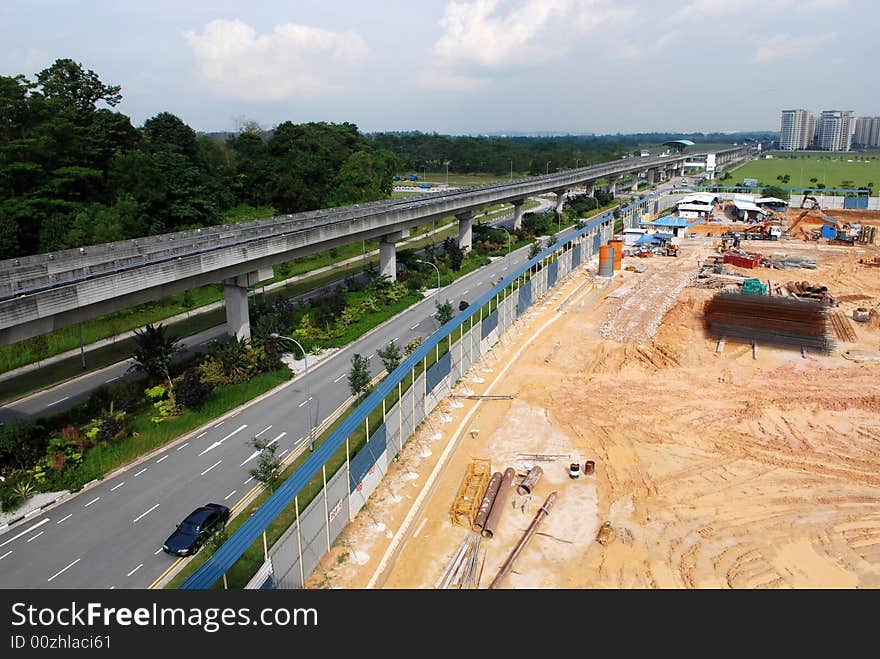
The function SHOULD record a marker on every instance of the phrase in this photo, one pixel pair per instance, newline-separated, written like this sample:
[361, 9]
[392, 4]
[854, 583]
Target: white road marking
[5, 555]
[200, 436]
[142, 515]
[60, 400]
[210, 468]
[229, 495]
[416, 325]
[156, 553]
[304, 402]
[395, 339]
[216, 444]
[340, 377]
[466, 292]
[219, 424]
[112, 379]
[164, 457]
[91, 502]
[249, 480]
[262, 431]
[35, 511]
[371, 356]
[479, 283]
[182, 446]
[256, 453]
[26, 531]
[141, 471]
[135, 570]
[116, 487]
[64, 518]
[36, 536]
[63, 570]
[283, 452]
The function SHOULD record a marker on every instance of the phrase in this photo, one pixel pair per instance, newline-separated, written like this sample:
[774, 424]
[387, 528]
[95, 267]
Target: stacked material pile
[461, 571]
[778, 321]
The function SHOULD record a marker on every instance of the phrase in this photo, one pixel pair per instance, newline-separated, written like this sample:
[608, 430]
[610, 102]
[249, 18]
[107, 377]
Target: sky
[464, 66]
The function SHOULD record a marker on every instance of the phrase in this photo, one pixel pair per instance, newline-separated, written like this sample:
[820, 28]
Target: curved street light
[276, 335]
[438, 273]
[508, 238]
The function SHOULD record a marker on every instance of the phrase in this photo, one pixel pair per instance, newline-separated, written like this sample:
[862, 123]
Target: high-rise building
[835, 130]
[796, 130]
[867, 132]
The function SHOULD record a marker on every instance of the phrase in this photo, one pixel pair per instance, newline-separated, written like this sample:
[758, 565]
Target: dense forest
[73, 173]
[523, 154]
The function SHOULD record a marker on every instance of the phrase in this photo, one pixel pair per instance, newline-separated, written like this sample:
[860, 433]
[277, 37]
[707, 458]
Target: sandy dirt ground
[715, 470]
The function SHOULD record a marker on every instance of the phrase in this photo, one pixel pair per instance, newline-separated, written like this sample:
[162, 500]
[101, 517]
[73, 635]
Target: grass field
[832, 170]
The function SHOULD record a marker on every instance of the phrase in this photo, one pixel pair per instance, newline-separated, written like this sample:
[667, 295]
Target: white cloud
[291, 60]
[783, 46]
[448, 81]
[494, 35]
[707, 9]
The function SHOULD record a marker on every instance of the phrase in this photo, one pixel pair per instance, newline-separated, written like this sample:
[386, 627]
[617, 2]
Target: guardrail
[429, 374]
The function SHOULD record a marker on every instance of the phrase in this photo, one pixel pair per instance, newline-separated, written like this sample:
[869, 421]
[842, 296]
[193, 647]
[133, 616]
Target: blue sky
[469, 66]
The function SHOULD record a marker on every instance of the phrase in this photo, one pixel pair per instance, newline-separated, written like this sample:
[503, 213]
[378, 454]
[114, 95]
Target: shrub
[191, 389]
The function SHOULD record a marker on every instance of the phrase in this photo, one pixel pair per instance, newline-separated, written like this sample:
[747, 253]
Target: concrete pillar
[635, 184]
[651, 173]
[560, 200]
[238, 322]
[388, 254]
[465, 230]
[518, 214]
[591, 189]
[612, 185]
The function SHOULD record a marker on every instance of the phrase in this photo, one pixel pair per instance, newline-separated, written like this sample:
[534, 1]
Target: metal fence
[375, 432]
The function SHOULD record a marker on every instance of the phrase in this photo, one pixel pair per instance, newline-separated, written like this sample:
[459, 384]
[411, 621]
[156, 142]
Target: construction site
[710, 420]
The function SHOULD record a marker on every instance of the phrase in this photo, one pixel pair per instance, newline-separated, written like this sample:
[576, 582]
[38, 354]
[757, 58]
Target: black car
[198, 526]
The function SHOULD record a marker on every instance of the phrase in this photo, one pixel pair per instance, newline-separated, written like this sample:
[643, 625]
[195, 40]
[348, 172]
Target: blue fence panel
[525, 298]
[597, 241]
[856, 203]
[366, 457]
[552, 274]
[439, 371]
[490, 322]
[576, 257]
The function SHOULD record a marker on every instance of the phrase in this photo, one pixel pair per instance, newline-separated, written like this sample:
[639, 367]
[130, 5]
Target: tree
[359, 375]
[390, 356]
[534, 250]
[67, 83]
[776, 191]
[154, 350]
[444, 312]
[268, 469]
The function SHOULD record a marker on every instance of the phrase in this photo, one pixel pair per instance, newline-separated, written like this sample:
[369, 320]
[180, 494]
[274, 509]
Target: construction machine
[814, 206]
[671, 250]
[762, 231]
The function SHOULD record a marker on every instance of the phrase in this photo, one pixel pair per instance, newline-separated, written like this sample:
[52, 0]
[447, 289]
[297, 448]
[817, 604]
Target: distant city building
[867, 132]
[796, 130]
[835, 130]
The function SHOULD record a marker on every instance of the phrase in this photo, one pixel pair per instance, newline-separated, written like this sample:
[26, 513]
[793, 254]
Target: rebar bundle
[461, 571]
[775, 321]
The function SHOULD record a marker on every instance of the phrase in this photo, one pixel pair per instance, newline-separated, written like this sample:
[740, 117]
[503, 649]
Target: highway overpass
[44, 292]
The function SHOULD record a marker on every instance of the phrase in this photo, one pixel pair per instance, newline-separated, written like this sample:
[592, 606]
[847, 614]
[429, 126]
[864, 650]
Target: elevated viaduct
[45, 292]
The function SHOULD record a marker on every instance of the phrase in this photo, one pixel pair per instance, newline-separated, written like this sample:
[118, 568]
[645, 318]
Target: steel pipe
[498, 503]
[536, 522]
[488, 499]
[530, 480]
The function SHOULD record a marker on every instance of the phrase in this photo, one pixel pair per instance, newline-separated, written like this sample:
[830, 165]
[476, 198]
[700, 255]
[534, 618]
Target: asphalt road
[110, 535]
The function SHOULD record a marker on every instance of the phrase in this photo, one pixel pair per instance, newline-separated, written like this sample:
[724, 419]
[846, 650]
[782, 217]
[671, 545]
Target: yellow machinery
[470, 492]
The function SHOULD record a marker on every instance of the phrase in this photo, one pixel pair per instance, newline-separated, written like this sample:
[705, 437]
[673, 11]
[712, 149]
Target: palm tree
[154, 350]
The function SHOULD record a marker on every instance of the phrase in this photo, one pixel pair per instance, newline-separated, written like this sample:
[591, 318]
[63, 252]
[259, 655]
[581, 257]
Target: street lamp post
[547, 170]
[511, 168]
[438, 273]
[276, 335]
[508, 239]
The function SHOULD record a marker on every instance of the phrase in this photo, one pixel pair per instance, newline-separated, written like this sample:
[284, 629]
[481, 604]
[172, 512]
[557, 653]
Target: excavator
[815, 206]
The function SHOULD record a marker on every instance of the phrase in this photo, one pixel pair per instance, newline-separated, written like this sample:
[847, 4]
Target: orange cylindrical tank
[618, 253]
[606, 260]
